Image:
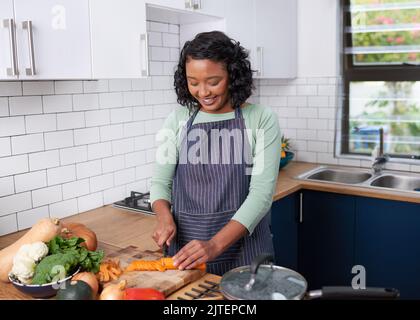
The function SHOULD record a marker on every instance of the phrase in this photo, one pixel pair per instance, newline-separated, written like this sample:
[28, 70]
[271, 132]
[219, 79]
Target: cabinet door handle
[27, 25]
[301, 208]
[197, 5]
[145, 72]
[10, 23]
[260, 53]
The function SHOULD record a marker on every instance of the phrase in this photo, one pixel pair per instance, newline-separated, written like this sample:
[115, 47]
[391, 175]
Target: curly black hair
[218, 47]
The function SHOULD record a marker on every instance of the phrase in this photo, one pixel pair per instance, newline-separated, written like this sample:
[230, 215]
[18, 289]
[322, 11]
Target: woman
[220, 196]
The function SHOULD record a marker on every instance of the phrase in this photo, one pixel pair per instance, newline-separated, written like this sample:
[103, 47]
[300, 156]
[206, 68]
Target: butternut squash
[44, 230]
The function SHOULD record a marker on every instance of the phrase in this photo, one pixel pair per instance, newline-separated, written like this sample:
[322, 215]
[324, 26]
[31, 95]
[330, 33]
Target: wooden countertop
[121, 228]
[287, 184]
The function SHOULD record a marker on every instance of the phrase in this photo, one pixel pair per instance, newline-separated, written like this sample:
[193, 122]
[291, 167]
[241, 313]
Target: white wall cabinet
[38, 39]
[118, 39]
[268, 29]
[210, 7]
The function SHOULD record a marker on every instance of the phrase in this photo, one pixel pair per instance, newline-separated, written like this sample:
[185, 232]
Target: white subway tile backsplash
[61, 175]
[144, 142]
[38, 87]
[48, 195]
[170, 40]
[30, 181]
[28, 218]
[304, 156]
[297, 123]
[123, 146]
[397, 166]
[170, 96]
[277, 102]
[297, 101]
[144, 172]
[63, 209]
[15, 203]
[154, 97]
[27, 143]
[114, 194]
[303, 134]
[73, 155]
[68, 87]
[174, 28]
[308, 113]
[58, 139]
[162, 111]
[100, 183]
[133, 98]
[41, 123]
[326, 90]
[95, 86]
[349, 162]
[8, 224]
[121, 115]
[317, 80]
[112, 164]
[135, 159]
[86, 136]
[317, 146]
[318, 102]
[113, 132]
[156, 68]
[25, 105]
[10, 88]
[58, 103]
[326, 135]
[4, 107]
[150, 155]
[143, 84]
[89, 202]
[158, 26]
[143, 113]
[110, 100]
[139, 186]
[320, 124]
[13, 165]
[97, 118]
[75, 189]
[155, 39]
[88, 169]
[119, 85]
[307, 90]
[326, 158]
[44, 160]
[169, 68]
[133, 129]
[124, 176]
[99, 150]
[7, 186]
[269, 90]
[153, 126]
[162, 83]
[12, 126]
[5, 147]
[85, 102]
[174, 55]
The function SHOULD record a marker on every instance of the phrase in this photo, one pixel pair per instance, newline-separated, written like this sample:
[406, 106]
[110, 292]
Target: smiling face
[208, 83]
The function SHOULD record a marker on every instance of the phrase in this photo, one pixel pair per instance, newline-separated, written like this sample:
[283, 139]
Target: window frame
[350, 73]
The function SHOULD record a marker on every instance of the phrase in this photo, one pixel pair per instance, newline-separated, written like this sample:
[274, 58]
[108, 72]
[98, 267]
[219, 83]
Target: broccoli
[55, 267]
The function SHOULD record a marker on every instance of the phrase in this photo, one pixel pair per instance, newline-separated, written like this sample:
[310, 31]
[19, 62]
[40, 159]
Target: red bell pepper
[143, 294]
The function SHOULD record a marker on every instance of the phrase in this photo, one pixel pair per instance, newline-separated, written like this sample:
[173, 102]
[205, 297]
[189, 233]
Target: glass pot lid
[263, 282]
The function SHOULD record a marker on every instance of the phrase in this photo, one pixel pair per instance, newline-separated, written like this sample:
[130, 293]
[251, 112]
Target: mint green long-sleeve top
[264, 137]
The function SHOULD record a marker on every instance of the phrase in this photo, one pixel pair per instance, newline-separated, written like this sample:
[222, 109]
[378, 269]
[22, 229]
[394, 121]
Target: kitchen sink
[340, 176]
[362, 177]
[397, 182]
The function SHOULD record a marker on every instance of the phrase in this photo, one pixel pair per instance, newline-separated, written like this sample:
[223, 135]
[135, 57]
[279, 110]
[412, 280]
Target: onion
[73, 229]
[114, 291]
[90, 279]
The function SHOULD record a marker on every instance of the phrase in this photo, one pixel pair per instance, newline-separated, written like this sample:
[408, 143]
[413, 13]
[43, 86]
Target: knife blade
[165, 250]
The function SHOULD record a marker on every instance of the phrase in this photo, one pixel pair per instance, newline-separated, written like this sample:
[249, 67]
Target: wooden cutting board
[167, 282]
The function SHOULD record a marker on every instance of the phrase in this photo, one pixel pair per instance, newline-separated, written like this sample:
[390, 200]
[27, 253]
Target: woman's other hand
[195, 253]
[165, 229]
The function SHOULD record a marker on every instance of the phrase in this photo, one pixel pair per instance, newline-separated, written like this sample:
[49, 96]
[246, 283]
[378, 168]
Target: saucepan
[270, 282]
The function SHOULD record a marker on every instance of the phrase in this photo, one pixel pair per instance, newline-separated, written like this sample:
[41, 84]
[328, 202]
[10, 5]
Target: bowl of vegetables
[46, 290]
[41, 269]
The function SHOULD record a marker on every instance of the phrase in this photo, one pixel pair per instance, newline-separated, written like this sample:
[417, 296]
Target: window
[381, 73]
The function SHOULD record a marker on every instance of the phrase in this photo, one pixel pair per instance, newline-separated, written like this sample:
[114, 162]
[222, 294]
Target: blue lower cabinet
[284, 228]
[326, 239]
[387, 244]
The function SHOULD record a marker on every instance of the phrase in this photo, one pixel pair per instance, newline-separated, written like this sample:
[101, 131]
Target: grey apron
[206, 195]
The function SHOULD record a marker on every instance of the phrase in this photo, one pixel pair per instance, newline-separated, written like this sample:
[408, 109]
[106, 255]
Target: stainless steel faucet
[380, 160]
